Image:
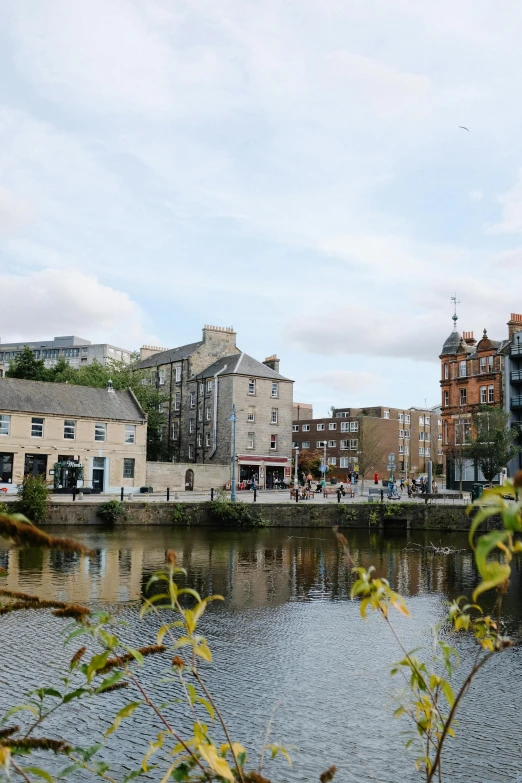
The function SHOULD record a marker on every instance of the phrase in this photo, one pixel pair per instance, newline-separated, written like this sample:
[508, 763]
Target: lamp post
[233, 419]
[296, 478]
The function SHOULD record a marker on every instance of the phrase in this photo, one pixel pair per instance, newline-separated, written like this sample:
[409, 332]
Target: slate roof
[172, 355]
[240, 364]
[67, 399]
[453, 345]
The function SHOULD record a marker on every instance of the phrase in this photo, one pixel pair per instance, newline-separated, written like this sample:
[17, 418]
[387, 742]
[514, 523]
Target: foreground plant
[104, 663]
[429, 698]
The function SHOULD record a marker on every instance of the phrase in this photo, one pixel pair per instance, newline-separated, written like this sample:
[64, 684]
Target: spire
[455, 317]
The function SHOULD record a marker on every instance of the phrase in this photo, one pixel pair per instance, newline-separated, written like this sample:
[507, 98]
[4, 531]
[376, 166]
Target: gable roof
[172, 355]
[67, 399]
[241, 364]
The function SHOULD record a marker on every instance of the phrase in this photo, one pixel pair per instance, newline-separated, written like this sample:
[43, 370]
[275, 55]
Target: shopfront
[268, 471]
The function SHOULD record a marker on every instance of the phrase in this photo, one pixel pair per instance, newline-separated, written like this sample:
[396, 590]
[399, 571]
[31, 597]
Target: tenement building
[80, 436]
[201, 383]
[75, 350]
[361, 440]
[476, 373]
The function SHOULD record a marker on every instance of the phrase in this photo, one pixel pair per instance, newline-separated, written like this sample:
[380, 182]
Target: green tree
[310, 462]
[371, 447]
[27, 366]
[492, 445]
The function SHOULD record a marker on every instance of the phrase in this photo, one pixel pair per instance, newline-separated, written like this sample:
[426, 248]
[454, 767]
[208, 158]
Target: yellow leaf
[216, 762]
[203, 651]
[5, 758]
[401, 607]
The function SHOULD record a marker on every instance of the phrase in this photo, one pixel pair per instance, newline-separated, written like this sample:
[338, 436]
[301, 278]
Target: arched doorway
[189, 479]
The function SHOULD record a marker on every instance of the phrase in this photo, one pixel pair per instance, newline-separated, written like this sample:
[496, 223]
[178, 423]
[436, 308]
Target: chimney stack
[514, 324]
[468, 338]
[150, 350]
[272, 362]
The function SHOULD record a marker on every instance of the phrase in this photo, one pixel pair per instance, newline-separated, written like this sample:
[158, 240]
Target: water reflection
[286, 633]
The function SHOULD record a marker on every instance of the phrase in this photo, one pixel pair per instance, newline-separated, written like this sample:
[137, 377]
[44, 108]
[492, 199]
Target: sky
[292, 168]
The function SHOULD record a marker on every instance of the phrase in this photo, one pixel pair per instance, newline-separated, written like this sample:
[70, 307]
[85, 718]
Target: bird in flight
[464, 128]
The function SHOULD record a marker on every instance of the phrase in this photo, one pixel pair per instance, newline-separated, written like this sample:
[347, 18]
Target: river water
[287, 636]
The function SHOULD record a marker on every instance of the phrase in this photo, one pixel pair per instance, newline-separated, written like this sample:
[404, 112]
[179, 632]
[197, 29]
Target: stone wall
[161, 475]
[364, 515]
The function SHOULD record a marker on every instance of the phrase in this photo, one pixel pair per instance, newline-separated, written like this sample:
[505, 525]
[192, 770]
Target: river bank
[404, 516]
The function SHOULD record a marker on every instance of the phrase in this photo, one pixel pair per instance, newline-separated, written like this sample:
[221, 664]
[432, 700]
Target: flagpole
[233, 419]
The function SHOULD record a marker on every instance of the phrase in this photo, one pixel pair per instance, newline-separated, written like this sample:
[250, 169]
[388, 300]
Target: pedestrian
[402, 485]
[309, 480]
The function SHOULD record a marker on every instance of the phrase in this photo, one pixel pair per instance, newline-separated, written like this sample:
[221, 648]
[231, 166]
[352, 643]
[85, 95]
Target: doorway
[189, 480]
[35, 465]
[98, 474]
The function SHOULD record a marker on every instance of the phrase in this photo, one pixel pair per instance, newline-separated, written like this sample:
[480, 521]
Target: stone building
[88, 437]
[76, 350]
[413, 435]
[474, 373]
[201, 382]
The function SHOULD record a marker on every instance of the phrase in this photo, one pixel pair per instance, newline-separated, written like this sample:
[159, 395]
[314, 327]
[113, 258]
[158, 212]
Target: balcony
[516, 402]
[516, 350]
[516, 376]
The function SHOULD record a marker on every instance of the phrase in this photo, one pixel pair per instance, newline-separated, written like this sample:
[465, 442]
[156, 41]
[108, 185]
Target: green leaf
[208, 706]
[109, 681]
[192, 693]
[43, 692]
[19, 708]
[69, 770]
[75, 634]
[492, 572]
[126, 712]
[135, 654]
[96, 662]
[77, 694]
[40, 773]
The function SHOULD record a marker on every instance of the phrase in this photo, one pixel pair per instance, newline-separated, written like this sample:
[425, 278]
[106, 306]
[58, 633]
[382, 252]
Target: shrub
[235, 514]
[33, 496]
[111, 511]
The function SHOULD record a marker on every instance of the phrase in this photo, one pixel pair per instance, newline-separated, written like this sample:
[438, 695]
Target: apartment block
[76, 350]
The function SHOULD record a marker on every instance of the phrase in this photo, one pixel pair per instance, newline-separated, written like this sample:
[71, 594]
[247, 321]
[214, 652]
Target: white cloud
[475, 195]
[65, 301]
[14, 211]
[349, 382]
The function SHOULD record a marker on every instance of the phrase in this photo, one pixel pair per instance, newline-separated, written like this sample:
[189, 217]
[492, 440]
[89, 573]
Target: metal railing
[516, 350]
[516, 376]
[516, 402]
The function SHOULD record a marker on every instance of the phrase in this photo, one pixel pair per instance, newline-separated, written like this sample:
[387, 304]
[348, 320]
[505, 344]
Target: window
[463, 397]
[446, 432]
[462, 369]
[332, 460]
[421, 436]
[251, 416]
[295, 427]
[273, 442]
[200, 414]
[491, 394]
[344, 445]
[427, 451]
[6, 468]
[175, 430]
[354, 426]
[273, 418]
[128, 468]
[37, 426]
[344, 462]
[483, 395]
[345, 426]
[100, 432]
[406, 418]
[130, 433]
[407, 433]
[439, 422]
[490, 364]
[421, 421]
[209, 386]
[177, 373]
[439, 436]
[305, 428]
[332, 444]
[401, 449]
[199, 439]
[401, 417]
[275, 390]
[386, 415]
[446, 371]
[401, 433]
[191, 451]
[192, 426]
[482, 364]
[462, 433]
[421, 451]
[5, 425]
[332, 425]
[305, 444]
[177, 401]
[320, 444]
[251, 386]
[207, 439]
[35, 465]
[207, 413]
[192, 399]
[69, 429]
[320, 427]
[427, 421]
[251, 440]
[446, 399]
[161, 377]
[354, 444]
[295, 444]
[440, 452]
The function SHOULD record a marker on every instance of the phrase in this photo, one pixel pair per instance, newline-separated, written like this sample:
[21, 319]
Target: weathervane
[455, 317]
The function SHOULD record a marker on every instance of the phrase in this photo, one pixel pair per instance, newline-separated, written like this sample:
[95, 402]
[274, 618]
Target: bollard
[338, 495]
[382, 496]
[121, 495]
[296, 490]
[168, 494]
[74, 493]
[211, 494]
[255, 494]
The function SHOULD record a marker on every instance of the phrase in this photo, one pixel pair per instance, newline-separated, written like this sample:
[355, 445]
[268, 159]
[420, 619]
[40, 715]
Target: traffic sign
[391, 457]
[324, 468]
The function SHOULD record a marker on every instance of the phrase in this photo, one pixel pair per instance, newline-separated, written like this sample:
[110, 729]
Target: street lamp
[233, 419]
[296, 479]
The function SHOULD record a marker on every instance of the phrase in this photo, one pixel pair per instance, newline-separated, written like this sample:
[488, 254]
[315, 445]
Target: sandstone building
[201, 382]
[72, 435]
